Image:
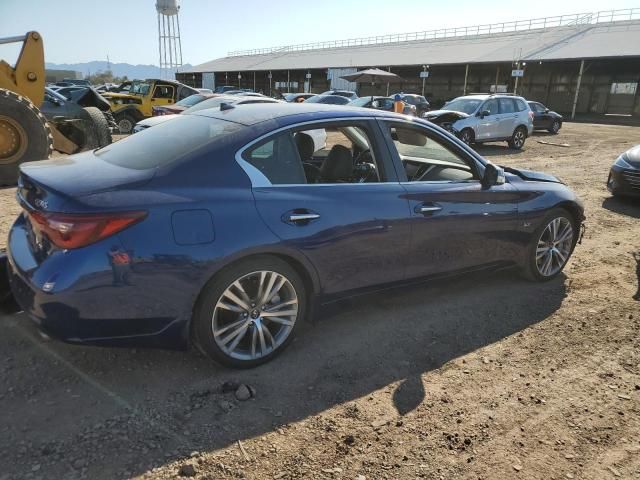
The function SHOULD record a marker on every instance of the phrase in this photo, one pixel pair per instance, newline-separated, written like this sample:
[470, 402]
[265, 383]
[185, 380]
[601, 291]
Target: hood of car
[532, 176]
[449, 114]
[632, 156]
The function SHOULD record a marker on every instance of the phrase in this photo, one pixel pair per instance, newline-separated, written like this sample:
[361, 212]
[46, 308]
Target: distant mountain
[118, 69]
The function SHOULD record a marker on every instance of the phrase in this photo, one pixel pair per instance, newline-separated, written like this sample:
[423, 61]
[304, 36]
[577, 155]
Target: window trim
[476, 166]
[259, 180]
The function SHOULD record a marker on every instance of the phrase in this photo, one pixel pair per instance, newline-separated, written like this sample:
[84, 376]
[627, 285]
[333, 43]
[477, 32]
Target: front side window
[491, 106]
[330, 154]
[427, 158]
[163, 91]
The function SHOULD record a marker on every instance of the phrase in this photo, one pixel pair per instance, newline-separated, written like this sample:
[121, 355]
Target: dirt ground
[482, 377]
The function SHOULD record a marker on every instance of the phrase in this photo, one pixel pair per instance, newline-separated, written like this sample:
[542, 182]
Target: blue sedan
[226, 227]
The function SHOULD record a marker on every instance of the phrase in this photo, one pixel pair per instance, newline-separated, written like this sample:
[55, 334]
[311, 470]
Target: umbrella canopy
[372, 75]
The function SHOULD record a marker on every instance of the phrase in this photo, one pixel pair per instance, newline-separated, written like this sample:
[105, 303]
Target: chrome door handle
[427, 208]
[303, 217]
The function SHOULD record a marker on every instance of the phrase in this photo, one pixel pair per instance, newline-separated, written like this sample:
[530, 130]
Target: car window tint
[278, 160]
[506, 105]
[338, 154]
[166, 142]
[491, 106]
[427, 158]
[521, 105]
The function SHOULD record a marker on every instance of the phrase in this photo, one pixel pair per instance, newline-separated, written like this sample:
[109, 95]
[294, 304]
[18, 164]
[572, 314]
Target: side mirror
[375, 104]
[493, 175]
[484, 113]
[546, 110]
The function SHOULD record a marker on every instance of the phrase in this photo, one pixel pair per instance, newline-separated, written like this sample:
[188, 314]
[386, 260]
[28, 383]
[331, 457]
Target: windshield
[464, 105]
[359, 102]
[166, 142]
[191, 100]
[140, 88]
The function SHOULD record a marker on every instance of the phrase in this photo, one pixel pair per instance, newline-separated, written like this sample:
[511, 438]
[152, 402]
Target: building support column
[466, 75]
[388, 69]
[288, 81]
[254, 81]
[575, 98]
[497, 77]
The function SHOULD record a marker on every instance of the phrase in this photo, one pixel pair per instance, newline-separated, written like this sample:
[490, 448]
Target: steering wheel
[364, 157]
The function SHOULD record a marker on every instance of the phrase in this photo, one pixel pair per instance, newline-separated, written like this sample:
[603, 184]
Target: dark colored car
[225, 228]
[624, 176]
[381, 103]
[351, 95]
[545, 119]
[297, 97]
[418, 101]
[328, 99]
[182, 105]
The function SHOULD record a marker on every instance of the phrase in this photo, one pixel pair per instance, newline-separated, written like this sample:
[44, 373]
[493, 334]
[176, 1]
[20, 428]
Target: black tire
[516, 142]
[467, 136]
[555, 127]
[529, 268]
[201, 327]
[100, 125]
[25, 135]
[125, 122]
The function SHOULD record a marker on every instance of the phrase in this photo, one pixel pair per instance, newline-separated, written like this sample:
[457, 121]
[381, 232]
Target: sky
[127, 30]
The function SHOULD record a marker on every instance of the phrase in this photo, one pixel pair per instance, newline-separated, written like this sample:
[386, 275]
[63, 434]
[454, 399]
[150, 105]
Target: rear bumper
[623, 181]
[72, 296]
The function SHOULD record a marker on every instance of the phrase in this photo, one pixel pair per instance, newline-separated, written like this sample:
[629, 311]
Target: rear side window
[166, 142]
[506, 105]
[521, 105]
[278, 160]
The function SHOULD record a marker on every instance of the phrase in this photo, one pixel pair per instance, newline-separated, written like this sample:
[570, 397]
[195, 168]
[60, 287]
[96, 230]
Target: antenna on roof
[226, 106]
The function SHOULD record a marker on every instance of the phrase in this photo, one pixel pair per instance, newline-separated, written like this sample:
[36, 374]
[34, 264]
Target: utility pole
[424, 76]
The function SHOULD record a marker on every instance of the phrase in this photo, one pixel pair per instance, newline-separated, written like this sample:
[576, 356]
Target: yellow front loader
[25, 134]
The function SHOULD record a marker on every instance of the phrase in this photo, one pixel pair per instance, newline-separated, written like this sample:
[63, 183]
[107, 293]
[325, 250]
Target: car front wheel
[250, 312]
[551, 247]
[467, 136]
[555, 126]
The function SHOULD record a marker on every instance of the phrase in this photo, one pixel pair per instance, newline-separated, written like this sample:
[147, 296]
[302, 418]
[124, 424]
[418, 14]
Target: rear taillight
[75, 231]
[531, 115]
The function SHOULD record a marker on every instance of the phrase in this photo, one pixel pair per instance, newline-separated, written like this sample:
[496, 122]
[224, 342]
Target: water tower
[169, 44]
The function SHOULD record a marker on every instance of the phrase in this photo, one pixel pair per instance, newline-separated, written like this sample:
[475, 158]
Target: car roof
[252, 114]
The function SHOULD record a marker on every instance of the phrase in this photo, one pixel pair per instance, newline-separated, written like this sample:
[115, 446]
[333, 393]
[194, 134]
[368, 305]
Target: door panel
[357, 235]
[488, 126]
[469, 226]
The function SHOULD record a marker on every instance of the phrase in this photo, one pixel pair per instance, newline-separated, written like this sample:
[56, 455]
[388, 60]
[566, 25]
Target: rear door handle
[303, 217]
[427, 208]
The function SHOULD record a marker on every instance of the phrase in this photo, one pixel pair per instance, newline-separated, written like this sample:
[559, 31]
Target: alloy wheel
[518, 138]
[255, 315]
[466, 137]
[554, 246]
[555, 127]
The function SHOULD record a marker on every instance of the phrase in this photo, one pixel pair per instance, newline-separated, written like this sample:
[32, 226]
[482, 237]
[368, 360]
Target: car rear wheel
[250, 312]
[552, 246]
[467, 136]
[518, 138]
[555, 126]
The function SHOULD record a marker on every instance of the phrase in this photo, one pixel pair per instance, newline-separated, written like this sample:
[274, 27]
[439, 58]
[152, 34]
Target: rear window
[166, 142]
[507, 105]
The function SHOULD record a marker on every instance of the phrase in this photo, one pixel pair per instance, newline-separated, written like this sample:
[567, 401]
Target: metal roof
[578, 41]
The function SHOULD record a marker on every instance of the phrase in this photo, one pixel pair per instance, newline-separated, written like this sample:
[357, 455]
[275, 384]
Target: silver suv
[488, 118]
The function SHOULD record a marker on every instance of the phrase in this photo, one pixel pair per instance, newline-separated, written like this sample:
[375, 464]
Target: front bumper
[624, 181]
